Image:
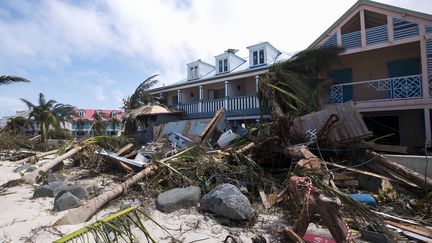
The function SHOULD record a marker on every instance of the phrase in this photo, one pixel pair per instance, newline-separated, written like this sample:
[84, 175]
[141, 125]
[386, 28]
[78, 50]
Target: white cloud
[118, 95]
[10, 105]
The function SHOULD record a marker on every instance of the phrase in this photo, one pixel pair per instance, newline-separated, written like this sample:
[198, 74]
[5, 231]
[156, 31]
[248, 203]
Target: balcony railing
[212, 105]
[407, 87]
[243, 103]
[189, 108]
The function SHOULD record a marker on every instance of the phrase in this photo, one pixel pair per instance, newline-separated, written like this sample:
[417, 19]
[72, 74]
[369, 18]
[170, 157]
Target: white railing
[190, 108]
[212, 105]
[243, 103]
[406, 87]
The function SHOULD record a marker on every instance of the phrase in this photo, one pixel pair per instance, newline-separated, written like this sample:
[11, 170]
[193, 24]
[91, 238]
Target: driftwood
[290, 234]
[306, 159]
[405, 172]
[32, 177]
[39, 155]
[124, 149]
[85, 212]
[314, 202]
[207, 133]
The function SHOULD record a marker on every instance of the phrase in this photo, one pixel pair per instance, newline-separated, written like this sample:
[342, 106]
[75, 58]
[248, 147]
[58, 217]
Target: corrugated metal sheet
[350, 125]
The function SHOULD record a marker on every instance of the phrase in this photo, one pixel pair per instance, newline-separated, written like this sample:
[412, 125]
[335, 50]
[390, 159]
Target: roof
[151, 110]
[370, 3]
[89, 113]
[243, 68]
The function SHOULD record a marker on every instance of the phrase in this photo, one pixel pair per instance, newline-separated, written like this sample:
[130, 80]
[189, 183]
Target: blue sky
[92, 54]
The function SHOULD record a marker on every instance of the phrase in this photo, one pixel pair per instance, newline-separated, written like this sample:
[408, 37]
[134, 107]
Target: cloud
[10, 105]
[118, 95]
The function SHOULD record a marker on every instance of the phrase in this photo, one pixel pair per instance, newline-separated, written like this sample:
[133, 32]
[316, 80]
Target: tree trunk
[40, 155]
[31, 178]
[405, 172]
[84, 213]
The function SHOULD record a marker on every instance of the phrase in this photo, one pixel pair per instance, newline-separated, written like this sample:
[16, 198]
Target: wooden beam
[124, 149]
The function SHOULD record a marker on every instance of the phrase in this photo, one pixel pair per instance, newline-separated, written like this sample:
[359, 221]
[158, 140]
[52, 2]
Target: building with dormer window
[232, 82]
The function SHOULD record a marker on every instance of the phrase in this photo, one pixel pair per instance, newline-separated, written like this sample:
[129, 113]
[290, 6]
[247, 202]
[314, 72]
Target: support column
[339, 37]
[201, 98]
[390, 30]
[179, 98]
[427, 122]
[226, 94]
[362, 29]
[424, 63]
[256, 90]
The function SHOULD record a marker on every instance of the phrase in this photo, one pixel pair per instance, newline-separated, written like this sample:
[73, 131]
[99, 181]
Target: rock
[178, 198]
[57, 167]
[55, 177]
[66, 201]
[25, 168]
[49, 190]
[76, 190]
[226, 200]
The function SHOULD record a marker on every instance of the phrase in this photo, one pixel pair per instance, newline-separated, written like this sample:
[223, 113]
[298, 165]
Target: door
[343, 76]
[405, 88]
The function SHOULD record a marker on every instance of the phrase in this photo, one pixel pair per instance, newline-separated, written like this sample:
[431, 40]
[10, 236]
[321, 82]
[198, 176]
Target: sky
[92, 54]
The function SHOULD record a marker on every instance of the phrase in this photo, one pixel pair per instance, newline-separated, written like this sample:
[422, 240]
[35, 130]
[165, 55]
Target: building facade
[231, 82]
[83, 121]
[385, 68]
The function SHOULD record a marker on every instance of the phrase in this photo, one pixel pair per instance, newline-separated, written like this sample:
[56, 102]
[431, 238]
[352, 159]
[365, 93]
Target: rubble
[66, 201]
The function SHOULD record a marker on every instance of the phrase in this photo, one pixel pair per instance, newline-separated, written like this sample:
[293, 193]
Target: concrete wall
[414, 162]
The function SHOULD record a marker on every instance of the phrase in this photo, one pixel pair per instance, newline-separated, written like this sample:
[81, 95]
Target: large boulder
[77, 190]
[66, 201]
[49, 190]
[226, 200]
[178, 198]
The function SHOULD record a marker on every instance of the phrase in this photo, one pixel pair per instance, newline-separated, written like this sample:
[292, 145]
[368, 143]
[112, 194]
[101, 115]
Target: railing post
[257, 89]
[362, 29]
[226, 95]
[179, 98]
[201, 97]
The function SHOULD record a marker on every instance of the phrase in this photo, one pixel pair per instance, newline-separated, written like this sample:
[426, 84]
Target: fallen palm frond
[113, 228]
[11, 141]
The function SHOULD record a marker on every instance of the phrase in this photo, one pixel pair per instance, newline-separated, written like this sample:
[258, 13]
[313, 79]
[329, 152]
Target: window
[258, 57]
[113, 114]
[223, 65]
[81, 113]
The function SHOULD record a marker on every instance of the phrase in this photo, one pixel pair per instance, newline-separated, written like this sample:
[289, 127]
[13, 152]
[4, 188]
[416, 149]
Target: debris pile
[316, 168]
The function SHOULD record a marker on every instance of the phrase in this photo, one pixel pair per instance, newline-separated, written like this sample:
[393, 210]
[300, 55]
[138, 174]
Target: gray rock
[23, 168]
[178, 198]
[55, 177]
[66, 201]
[226, 200]
[49, 190]
[76, 190]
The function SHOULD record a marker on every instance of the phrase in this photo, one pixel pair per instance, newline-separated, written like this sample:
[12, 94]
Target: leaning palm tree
[295, 86]
[139, 98]
[99, 123]
[45, 114]
[12, 79]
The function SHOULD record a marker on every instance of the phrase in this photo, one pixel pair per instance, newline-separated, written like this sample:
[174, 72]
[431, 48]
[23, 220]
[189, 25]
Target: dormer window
[223, 65]
[193, 72]
[258, 57]
[198, 69]
[81, 113]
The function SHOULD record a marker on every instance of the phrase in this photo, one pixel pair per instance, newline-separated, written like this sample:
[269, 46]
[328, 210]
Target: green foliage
[295, 86]
[12, 79]
[114, 228]
[140, 97]
[48, 114]
[61, 133]
[15, 125]
[10, 141]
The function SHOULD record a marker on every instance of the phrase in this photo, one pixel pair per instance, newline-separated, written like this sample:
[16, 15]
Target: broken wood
[207, 133]
[314, 202]
[38, 156]
[359, 171]
[131, 154]
[263, 197]
[85, 212]
[124, 149]
[413, 228]
[390, 148]
[290, 234]
[32, 177]
[405, 172]
[246, 148]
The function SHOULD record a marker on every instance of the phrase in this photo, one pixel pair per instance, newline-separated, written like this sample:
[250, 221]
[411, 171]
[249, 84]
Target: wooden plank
[413, 228]
[211, 127]
[124, 149]
[390, 148]
[341, 176]
[347, 183]
[359, 171]
[263, 198]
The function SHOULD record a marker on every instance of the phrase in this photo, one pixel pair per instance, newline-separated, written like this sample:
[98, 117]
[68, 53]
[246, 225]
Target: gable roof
[88, 114]
[374, 4]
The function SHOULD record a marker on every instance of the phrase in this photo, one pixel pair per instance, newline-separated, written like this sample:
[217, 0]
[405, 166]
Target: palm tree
[139, 98]
[46, 114]
[99, 123]
[12, 79]
[114, 122]
[295, 86]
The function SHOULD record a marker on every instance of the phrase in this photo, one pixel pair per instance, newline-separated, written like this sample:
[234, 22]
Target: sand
[25, 219]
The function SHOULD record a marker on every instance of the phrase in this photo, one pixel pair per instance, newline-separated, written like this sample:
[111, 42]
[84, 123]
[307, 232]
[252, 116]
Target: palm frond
[12, 79]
